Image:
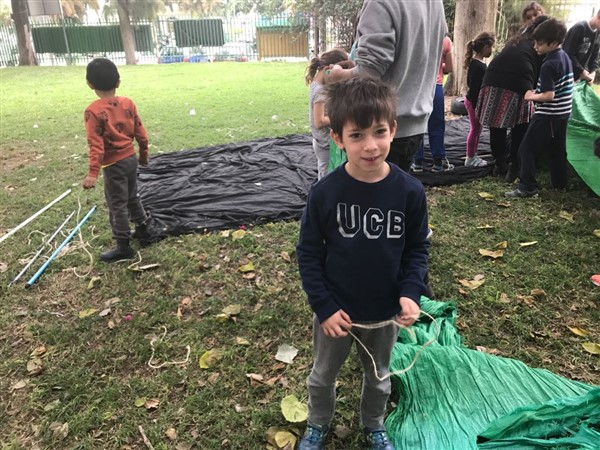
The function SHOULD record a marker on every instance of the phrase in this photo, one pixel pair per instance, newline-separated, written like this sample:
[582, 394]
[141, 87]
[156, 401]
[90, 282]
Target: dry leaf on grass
[491, 253]
[578, 331]
[591, 347]
[293, 410]
[286, 353]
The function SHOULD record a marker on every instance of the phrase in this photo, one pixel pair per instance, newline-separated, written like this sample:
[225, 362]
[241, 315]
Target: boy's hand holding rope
[340, 324]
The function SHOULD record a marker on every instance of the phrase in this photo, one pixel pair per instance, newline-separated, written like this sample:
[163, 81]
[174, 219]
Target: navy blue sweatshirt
[363, 245]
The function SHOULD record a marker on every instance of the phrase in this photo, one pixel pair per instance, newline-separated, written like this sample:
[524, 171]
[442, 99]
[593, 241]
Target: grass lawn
[76, 347]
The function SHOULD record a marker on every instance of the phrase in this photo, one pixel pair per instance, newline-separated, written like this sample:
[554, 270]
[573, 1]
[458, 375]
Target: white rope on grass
[167, 363]
[394, 323]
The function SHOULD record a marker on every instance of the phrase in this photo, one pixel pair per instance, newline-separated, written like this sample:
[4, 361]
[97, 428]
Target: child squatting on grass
[362, 256]
[111, 123]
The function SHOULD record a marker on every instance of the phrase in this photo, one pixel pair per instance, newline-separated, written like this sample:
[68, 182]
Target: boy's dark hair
[102, 74]
[550, 31]
[597, 147]
[361, 100]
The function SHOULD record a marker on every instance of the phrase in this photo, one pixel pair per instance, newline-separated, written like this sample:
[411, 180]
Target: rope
[394, 323]
[167, 363]
[83, 245]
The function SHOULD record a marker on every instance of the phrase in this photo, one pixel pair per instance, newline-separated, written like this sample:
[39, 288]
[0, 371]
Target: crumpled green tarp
[584, 128]
[453, 394]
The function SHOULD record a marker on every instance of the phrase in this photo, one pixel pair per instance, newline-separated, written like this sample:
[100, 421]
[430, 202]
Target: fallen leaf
[286, 353]
[38, 351]
[565, 215]
[285, 440]
[247, 267]
[342, 432]
[238, 234]
[152, 403]
[286, 256]
[210, 358]
[490, 351]
[112, 301]
[184, 446]
[93, 282]
[527, 244]
[171, 433]
[225, 233]
[597, 232]
[486, 195]
[293, 410]
[87, 312]
[104, 312]
[20, 384]
[485, 227]
[222, 318]
[249, 276]
[59, 430]
[110, 325]
[578, 331]
[143, 268]
[503, 204]
[471, 284]
[140, 401]
[3, 267]
[491, 253]
[502, 245]
[504, 298]
[538, 293]
[242, 341]
[592, 348]
[34, 366]
[232, 310]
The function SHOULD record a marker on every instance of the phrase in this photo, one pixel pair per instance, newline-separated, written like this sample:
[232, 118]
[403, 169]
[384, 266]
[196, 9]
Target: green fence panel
[201, 32]
[89, 39]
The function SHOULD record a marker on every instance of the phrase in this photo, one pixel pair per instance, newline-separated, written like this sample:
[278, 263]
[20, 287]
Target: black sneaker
[147, 233]
[120, 252]
[521, 193]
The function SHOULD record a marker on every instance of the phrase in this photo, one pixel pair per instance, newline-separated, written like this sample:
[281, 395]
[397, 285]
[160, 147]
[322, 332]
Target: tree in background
[471, 17]
[20, 16]
[75, 9]
[128, 11]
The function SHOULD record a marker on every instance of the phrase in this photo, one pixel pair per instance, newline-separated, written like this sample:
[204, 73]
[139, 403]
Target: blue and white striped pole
[60, 247]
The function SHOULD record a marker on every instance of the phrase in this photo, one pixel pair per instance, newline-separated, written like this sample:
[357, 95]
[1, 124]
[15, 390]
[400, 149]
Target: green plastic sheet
[337, 156]
[453, 394]
[583, 129]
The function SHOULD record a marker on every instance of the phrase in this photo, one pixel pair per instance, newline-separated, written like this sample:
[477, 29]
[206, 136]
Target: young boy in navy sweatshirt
[362, 256]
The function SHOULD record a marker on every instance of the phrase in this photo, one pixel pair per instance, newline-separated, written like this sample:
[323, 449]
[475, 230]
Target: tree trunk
[127, 35]
[20, 17]
[471, 18]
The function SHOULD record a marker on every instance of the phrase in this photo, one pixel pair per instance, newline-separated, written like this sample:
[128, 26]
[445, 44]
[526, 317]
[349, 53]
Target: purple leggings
[474, 132]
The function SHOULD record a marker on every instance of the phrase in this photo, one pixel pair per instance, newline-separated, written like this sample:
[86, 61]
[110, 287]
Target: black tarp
[261, 181]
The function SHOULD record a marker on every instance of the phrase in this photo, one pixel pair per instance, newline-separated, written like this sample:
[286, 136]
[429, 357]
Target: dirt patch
[15, 158]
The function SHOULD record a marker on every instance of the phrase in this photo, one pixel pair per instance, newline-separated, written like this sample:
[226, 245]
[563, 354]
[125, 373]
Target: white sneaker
[475, 161]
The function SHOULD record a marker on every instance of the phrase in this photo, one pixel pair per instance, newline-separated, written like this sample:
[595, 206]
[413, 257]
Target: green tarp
[454, 394]
[584, 128]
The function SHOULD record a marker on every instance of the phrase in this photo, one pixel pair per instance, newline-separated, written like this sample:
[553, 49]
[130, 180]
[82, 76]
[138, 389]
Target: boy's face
[366, 148]
[542, 47]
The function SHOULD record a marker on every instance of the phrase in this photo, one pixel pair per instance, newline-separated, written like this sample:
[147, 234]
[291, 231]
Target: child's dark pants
[547, 136]
[120, 190]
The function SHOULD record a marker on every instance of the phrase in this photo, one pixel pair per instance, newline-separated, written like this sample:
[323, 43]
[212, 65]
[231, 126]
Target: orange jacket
[110, 125]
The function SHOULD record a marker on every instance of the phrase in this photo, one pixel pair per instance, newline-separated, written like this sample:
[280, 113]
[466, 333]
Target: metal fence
[167, 40]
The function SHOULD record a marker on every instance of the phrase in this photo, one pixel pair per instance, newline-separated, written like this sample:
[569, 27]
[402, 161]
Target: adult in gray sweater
[400, 42]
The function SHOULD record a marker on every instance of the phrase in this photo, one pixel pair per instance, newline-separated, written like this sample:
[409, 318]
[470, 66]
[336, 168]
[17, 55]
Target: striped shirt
[556, 75]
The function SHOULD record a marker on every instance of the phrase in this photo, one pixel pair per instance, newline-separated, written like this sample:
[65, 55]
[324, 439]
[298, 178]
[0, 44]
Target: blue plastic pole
[60, 247]
[42, 248]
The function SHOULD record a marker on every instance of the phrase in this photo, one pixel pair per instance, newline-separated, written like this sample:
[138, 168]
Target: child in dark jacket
[362, 256]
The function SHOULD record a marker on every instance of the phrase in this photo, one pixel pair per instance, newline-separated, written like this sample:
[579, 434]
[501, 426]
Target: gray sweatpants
[330, 354]
[120, 190]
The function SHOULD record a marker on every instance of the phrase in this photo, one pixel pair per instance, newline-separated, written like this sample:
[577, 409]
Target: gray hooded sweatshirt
[400, 41]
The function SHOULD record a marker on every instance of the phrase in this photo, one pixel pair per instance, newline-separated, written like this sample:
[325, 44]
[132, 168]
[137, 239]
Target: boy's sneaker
[314, 437]
[377, 440]
[442, 165]
[475, 161]
[147, 233]
[521, 193]
[416, 166]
